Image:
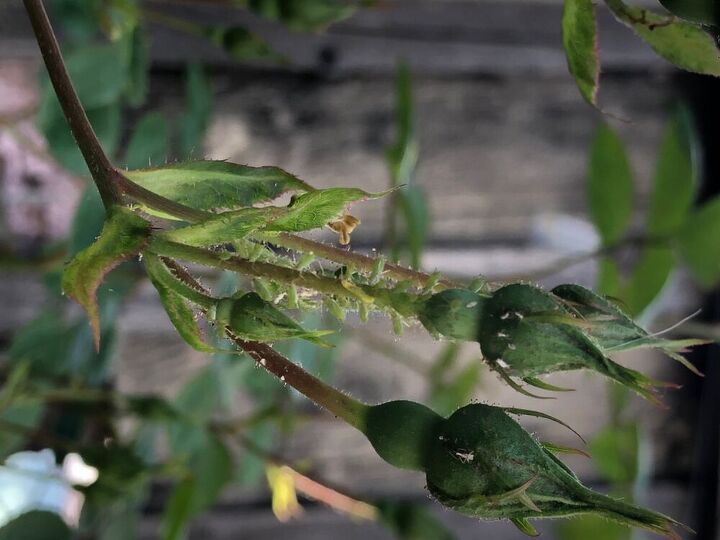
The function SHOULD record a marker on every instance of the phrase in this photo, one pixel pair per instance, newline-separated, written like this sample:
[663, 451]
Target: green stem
[344, 407]
[97, 161]
[206, 257]
[349, 410]
[345, 257]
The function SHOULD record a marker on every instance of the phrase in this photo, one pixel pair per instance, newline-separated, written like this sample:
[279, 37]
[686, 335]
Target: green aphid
[250, 317]
[526, 332]
[482, 463]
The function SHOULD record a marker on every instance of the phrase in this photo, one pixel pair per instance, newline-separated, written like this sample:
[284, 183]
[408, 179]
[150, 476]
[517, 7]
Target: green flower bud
[453, 313]
[250, 317]
[526, 331]
[613, 329]
[401, 432]
[482, 463]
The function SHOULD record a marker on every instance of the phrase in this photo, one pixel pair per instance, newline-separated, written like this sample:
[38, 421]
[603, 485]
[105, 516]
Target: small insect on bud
[306, 260]
[482, 463]
[533, 333]
[377, 269]
[453, 313]
[334, 308]
[292, 297]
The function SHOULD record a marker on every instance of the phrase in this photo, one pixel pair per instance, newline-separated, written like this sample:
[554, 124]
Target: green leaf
[609, 281]
[307, 15]
[699, 243]
[210, 470]
[591, 528]
[198, 107]
[317, 208]
[648, 278]
[676, 177]
[579, 27]
[610, 186]
[682, 43]
[252, 318]
[225, 227]
[123, 236]
[416, 223]
[104, 120]
[36, 525]
[241, 44]
[138, 68]
[447, 397]
[412, 522]
[99, 75]
[209, 185]
[615, 454]
[176, 306]
[148, 145]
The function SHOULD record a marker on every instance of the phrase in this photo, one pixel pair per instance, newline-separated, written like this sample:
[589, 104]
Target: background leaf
[579, 28]
[699, 243]
[148, 146]
[198, 108]
[610, 186]
[36, 525]
[684, 44]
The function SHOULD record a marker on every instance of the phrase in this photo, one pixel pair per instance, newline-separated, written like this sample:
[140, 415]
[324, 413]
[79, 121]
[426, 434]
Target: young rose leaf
[123, 236]
[321, 207]
[482, 463]
[610, 185]
[682, 43]
[252, 318]
[211, 185]
[225, 227]
[579, 27]
[699, 243]
[176, 306]
[613, 330]
[526, 332]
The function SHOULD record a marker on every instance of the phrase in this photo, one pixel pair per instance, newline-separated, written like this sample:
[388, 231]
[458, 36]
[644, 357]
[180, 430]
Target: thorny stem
[112, 185]
[100, 167]
[342, 256]
[380, 296]
[344, 407]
